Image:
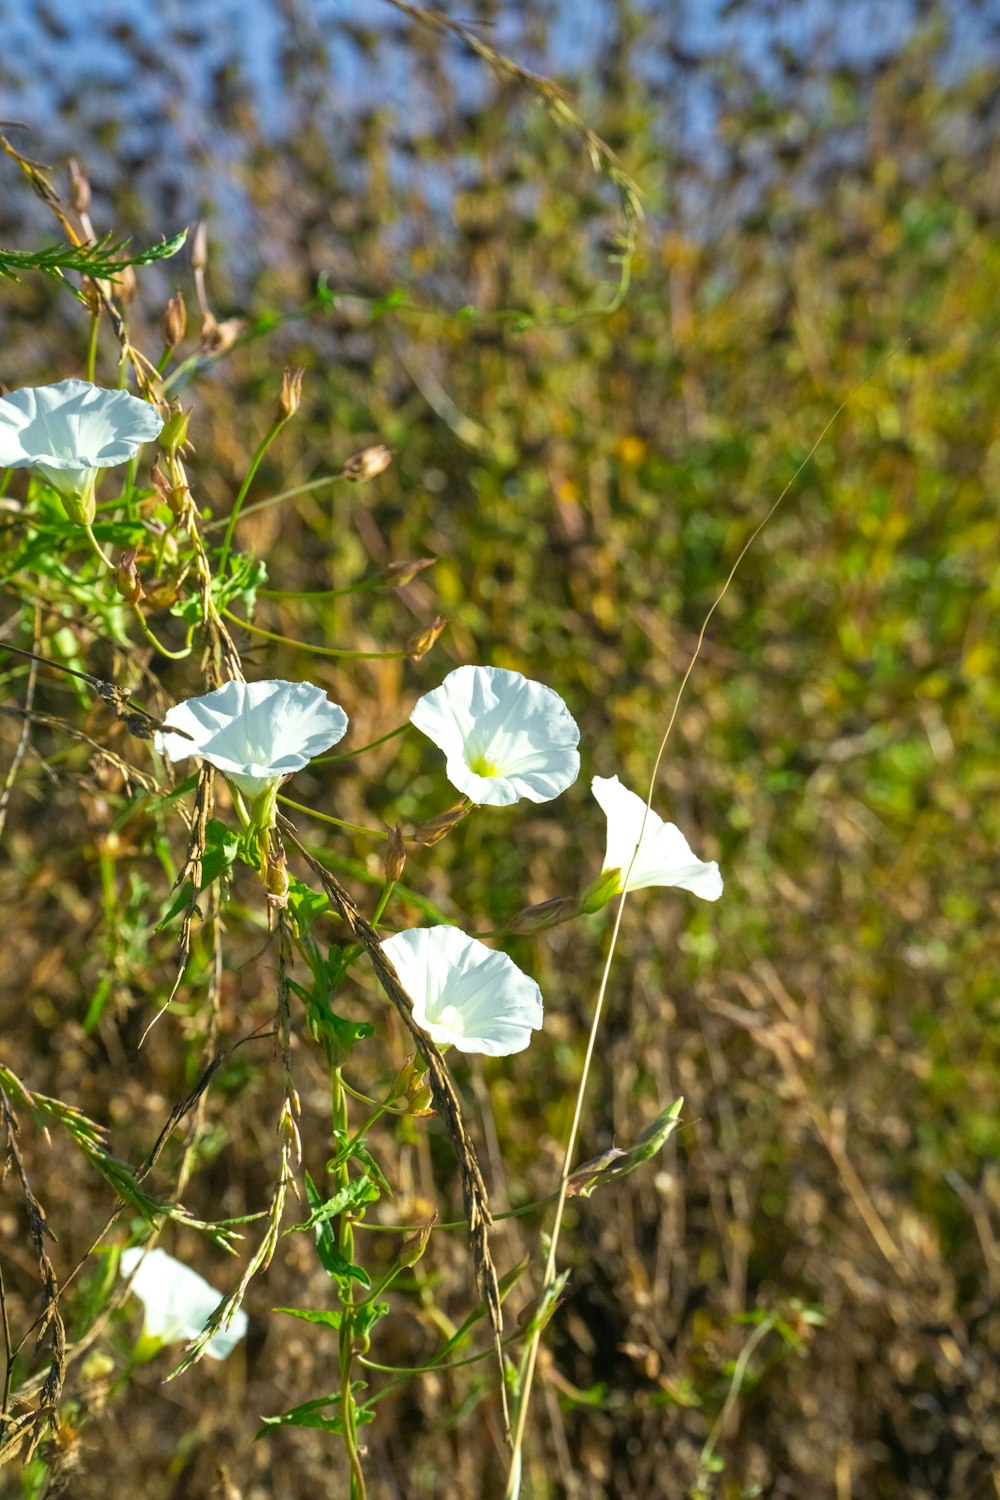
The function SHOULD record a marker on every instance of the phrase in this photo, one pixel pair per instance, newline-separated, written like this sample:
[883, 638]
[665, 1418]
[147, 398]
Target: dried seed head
[545, 914]
[125, 285]
[395, 856]
[174, 324]
[199, 246]
[217, 337]
[369, 463]
[90, 295]
[127, 580]
[398, 574]
[435, 828]
[79, 188]
[415, 1244]
[418, 645]
[291, 392]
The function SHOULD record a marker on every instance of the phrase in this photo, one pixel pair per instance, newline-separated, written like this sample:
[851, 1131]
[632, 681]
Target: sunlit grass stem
[530, 1355]
[234, 515]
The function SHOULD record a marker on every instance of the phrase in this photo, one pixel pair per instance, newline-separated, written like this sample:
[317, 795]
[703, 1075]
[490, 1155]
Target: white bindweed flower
[72, 430]
[665, 857]
[178, 1301]
[255, 733]
[465, 994]
[504, 736]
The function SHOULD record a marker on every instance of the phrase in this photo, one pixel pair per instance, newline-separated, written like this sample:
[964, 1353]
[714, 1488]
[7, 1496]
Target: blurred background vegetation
[822, 190]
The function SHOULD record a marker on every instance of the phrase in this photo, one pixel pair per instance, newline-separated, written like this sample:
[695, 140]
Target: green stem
[255, 462]
[299, 489]
[325, 760]
[345, 1243]
[97, 548]
[287, 640]
[529, 1355]
[95, 321]
[364, 586]
[148, 635]
[157, 644]
[192, 361]
[383, 902]
[372, 833]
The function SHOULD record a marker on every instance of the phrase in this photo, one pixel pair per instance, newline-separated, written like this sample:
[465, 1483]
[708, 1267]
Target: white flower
[665, 857]
[71, 430]
[256, 733]
[178, 1301]
[504, 736]
[464, 993]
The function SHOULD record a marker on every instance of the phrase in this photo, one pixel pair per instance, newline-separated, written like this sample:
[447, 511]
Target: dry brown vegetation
[584, 480]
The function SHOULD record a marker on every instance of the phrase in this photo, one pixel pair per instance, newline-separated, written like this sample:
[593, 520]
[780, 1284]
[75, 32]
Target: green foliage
[105, 259]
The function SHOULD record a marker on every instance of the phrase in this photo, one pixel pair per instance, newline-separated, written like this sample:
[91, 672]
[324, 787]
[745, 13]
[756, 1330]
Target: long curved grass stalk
[530, 1355]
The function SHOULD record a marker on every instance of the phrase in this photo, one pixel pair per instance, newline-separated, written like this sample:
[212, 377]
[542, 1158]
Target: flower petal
[465, 994]
[256, 733]
[665, 857]
[504, 736]
[73, 425]
[178, 1302]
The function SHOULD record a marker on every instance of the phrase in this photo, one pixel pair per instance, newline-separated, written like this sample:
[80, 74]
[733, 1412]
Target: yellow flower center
[483, 767]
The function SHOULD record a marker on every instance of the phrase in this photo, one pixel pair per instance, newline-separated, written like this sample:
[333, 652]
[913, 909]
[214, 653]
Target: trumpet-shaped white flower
[665, 857]
[255, 733]
[178, 1301]
[465, 994]
[504, 736]
[71, 430]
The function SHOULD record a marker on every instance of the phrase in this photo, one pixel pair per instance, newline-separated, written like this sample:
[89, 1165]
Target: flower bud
[582, 1182]
[401, 1083]
[398, 574]
[216, 337]
[174, 323]
[90, 295]
[176, 496]
[275, 876]
[435, 828]
[602, 890]
[160, 595]
[369, 463]
[546, 914]
[419, 1094]
[199, 246]
[79, 189]
[127, 580]
[173, 434]
[80, 504]
[418, 645]
[291, 393]
[125, 285]
[413, 1247]
[395, 856]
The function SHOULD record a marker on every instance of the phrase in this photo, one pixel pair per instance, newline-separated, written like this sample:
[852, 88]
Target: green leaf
[367, 1315]
[247, 574]
[341, 1034]
[104, 259]
[356, 1149]
[305, 904]
[221, 848]
[310, 1414]
[326, 1318]
[333, 1262]
[357, 1193]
